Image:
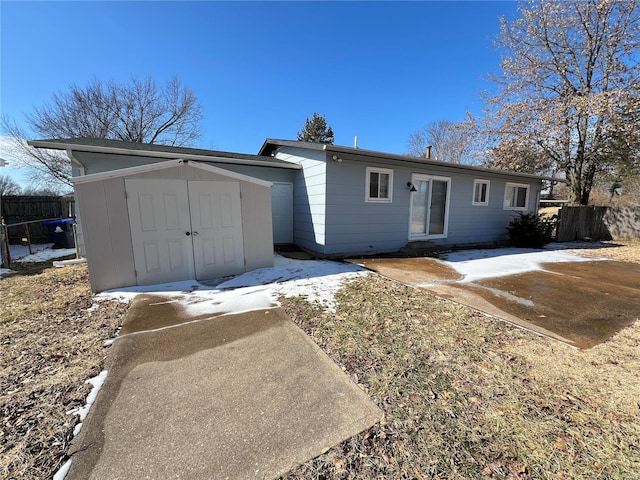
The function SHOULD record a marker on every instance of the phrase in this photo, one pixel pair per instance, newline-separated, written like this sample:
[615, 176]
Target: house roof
[271, 145]
[119, 147]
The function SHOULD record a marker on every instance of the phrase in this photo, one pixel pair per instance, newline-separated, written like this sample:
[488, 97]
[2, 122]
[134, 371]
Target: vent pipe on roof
[355, 142]
[428, 152]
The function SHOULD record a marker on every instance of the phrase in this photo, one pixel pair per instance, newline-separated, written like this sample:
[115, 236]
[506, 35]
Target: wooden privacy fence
[598, 223]
[20, 210]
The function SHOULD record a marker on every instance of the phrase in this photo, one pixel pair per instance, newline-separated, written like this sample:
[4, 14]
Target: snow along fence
[18, 210]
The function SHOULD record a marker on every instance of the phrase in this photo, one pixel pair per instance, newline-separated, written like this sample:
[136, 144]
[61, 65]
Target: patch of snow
[317, 280]
[41, 252]
[44, 255]
[82, 412]
[97, 382]
[488, 263]
[62, 471]
[5, 272]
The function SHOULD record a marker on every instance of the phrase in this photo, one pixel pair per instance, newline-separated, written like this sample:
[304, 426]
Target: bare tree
[517, 156]
[8, 186]
[570, 73]
[44, 167]
[450, 142]
[139, 111]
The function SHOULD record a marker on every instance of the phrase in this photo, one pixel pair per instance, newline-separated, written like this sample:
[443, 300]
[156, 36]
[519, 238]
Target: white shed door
[216, 222]
[182, 230]
[159, 219]
[282, 212]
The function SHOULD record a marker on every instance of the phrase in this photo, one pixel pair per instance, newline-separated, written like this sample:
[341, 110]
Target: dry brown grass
[627, 251]
[466, 396]
[51, 343]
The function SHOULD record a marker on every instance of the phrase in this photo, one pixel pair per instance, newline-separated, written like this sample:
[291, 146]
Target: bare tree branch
[139, 111]
[569, 75]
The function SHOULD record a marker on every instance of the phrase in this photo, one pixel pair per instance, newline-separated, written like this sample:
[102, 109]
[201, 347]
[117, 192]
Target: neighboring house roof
[270, 145]
[101, 145]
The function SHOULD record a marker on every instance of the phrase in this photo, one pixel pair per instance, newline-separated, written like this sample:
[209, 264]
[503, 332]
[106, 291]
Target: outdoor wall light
[412, 188]
[337, 159]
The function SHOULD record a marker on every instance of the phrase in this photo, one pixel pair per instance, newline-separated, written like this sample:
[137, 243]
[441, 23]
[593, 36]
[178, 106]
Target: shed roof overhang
[358, 154]
[125, 172]
[159, 151]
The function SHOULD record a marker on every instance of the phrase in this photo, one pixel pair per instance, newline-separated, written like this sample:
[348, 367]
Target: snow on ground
[41, 253]
[317, 280]
[479, 264]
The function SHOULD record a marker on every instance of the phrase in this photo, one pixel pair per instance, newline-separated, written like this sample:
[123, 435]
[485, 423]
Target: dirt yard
[464, 396]
[52, 341]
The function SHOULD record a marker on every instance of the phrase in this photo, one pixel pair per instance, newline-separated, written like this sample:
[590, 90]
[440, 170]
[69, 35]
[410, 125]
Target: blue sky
[378, 70]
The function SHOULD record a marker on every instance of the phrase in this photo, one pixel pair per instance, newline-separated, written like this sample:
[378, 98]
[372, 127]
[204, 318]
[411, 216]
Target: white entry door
[282, 212]
[429, 207]
[182, 230]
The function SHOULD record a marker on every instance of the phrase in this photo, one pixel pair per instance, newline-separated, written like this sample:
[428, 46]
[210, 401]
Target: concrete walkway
[579, 302]
[237, 396]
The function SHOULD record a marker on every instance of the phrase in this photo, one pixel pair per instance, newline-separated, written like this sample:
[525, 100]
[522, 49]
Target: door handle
[195, 234]
[188, 233]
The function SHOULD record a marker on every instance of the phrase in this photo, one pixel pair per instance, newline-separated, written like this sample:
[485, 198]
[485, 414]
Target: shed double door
[184, 229]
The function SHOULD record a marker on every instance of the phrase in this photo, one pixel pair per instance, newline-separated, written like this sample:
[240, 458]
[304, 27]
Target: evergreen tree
[316, 130]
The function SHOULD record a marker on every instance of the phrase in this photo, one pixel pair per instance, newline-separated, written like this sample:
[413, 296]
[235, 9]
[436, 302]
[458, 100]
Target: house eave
[158, 154]
[359, 154]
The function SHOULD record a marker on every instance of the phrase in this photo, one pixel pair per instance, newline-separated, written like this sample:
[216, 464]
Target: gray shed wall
[95, 162]
[105, 224]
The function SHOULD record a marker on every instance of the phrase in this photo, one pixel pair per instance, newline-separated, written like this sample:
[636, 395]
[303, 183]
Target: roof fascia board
[157, 154]
[123, 172]
[229, 173]
[290, 143]
[355, 154]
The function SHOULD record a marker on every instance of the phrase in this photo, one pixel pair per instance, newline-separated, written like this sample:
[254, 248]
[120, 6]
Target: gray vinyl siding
[361, 227]
[355, 226]
[310, 197]
[106, 228]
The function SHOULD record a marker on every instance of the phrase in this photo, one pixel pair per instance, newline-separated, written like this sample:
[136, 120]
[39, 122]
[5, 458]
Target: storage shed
[172, 221]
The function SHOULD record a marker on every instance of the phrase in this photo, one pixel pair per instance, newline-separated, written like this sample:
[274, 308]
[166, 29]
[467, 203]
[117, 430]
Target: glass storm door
[429, 207]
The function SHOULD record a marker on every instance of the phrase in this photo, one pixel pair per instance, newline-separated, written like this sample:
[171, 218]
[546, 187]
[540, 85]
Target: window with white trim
[379, 185]
[516, 196]
[481, 192]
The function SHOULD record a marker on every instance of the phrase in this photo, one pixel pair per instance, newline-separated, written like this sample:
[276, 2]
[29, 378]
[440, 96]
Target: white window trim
[386, 171]
[473, 199]
[526, 198]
